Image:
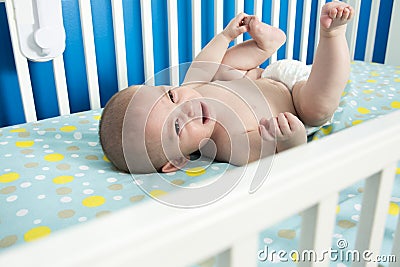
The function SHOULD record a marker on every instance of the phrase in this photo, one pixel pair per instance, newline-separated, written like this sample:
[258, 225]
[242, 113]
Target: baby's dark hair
[111, 130]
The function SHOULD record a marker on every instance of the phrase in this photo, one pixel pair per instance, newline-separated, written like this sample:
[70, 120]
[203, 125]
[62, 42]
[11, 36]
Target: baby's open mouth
[204, 113]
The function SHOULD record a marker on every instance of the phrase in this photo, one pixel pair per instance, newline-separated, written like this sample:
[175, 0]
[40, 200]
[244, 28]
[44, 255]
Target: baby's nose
[187, 108]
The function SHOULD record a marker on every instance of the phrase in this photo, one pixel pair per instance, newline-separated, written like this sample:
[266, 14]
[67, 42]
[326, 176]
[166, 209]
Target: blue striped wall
[43, 82]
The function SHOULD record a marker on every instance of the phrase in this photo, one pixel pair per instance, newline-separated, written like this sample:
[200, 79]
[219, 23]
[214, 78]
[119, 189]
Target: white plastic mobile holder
[40, 28]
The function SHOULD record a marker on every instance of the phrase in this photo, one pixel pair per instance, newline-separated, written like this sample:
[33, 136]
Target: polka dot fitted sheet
[53, 173]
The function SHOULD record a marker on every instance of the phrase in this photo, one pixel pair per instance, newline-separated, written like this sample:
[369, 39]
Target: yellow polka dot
[398, 171]
[63, 179]
[374, 73]
[344, 93]
[106, 159]
[397, 72]
[9, 177]
[348, 81]
[53, 157]
[97, 118]
[326, 130]
[197, 171]
[357, 122]
[18, 130]
[37, 232]
[363, 110]
[371, 81]
[394, 208]
[368, 91]
[93, 201]
[293, 256]
[397, 80]
[157, 193]
[395, 104]
[24, 143]
[337, 209]
[67, 129]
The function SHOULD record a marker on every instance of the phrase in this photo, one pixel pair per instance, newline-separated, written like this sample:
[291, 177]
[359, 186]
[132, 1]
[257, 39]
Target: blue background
[11, 111]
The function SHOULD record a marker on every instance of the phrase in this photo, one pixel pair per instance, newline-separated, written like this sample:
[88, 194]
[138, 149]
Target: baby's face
[181, 118]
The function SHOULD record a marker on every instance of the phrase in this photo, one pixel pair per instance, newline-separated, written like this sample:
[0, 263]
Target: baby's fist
[236, 27]
[284, 127]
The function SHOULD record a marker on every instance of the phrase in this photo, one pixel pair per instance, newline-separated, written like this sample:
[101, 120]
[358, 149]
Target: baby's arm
[286, 128]
[207, 62]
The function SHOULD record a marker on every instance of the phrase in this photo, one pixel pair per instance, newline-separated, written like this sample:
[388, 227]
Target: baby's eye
[177, 127]
[171, 96]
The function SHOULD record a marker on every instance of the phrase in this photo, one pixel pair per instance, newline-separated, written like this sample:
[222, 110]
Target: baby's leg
[250, 54]
[316, 99]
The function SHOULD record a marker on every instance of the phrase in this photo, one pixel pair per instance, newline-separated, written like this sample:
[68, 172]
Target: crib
[305, 180]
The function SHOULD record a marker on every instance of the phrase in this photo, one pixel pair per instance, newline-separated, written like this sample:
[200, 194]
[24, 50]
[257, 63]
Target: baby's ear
[174, 165]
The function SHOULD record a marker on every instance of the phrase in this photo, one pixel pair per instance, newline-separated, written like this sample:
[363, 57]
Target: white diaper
[287, 71]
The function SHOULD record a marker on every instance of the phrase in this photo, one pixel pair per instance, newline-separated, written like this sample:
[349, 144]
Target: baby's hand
[236, 27]
[286, 128]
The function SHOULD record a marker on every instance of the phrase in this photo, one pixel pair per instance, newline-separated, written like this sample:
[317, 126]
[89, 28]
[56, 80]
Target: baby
[227, 107]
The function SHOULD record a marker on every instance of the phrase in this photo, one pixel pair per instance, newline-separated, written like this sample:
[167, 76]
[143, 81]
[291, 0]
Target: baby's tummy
[278, 96]
[245, 99]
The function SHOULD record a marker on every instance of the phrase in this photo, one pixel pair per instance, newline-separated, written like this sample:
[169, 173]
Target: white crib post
[275, 22]
[239, 7]
[119, 43]
[305, 29]
[373, 22]
[352, 27]
[378, 189]
[396, 246]
[291, 20]
[21, 64]
[173, 42]
[392, 51]
[316, 230]
[218, 16]
[147, 36]
[317, 24]
[90, 53]
[244, 252]
[61, 85]
[196, 27]
[258, 6]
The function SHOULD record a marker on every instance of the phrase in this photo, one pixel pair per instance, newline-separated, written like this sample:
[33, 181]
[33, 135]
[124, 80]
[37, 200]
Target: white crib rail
[152, 233]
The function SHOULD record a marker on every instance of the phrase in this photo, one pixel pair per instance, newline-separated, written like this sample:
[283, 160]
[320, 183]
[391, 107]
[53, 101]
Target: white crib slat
[305, 30]
[244, 252]
[275, 22]
[352, 27]
[392, 51]
[373, 22]
[396, 245]
[258, 6]
[21, 64]
[61, 85]
[316, 229]
[196, 27]
[239, 7]
[147, 39]
[378, 189]
[173, 41]
[317, 24]
[90, 53]
[218, 16]
[119, 42]
[291, 20]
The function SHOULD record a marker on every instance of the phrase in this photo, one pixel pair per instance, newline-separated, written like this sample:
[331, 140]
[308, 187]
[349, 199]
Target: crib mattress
[53, 173]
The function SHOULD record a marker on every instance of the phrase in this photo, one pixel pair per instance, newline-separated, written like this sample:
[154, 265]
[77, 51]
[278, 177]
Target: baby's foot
[268, 38]
[335, 15]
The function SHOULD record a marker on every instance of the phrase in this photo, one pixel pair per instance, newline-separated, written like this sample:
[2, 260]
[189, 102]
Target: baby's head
[144, 129]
